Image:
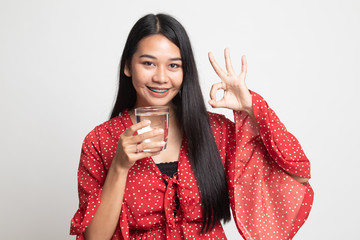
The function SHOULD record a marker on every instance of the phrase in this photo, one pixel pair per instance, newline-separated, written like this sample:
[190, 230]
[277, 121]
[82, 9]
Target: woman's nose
[160, 75]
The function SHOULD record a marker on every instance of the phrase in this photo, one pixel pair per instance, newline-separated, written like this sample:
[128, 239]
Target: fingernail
[147, 121]
[160, 130]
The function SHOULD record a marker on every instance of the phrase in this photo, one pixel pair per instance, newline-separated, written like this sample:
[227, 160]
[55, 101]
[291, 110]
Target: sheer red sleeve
[266, 202]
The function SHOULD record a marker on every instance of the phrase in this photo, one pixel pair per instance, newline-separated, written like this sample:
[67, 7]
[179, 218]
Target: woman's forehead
[158, 45]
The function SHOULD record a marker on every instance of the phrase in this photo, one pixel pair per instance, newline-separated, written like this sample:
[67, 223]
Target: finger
[215, 87]
[131, 130]
[221, 73]
[146, 135]
[229, 67]
[217, 104]
[149, 146]
[141, 155]
[243, 66]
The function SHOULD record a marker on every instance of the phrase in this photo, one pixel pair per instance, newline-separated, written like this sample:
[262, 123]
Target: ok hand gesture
[236, 94]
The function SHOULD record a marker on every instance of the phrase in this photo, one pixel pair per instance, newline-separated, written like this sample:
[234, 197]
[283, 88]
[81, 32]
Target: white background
[58, 71]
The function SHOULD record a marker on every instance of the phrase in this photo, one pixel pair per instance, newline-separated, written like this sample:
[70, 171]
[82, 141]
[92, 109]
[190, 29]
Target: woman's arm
[236, 94]
[302, 180]
[99, 215]
[266, 201]
[298, 178]
[262, 161]
[107, 215]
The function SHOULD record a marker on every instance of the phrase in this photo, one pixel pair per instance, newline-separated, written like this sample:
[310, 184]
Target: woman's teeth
[158, 90]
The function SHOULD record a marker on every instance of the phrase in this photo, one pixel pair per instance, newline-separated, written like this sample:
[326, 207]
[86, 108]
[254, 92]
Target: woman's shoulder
[117, 123]
[112, 127]
[217, 119]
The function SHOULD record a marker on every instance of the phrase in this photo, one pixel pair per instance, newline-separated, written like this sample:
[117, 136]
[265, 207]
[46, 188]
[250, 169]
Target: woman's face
[156, 71]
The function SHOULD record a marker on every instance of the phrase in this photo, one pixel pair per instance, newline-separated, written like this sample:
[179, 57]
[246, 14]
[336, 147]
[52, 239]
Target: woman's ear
[127, 70]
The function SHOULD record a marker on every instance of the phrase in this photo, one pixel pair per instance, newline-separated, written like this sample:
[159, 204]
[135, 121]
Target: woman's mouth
[157, 90]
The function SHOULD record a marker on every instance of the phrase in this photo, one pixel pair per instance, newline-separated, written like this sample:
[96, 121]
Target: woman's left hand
[236, 94]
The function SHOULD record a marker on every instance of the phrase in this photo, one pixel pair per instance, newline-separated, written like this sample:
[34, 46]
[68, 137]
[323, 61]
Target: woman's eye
[148, 63]
[174, 65]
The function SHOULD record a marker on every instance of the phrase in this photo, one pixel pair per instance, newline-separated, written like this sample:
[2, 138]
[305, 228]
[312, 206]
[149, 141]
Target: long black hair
[190, 110]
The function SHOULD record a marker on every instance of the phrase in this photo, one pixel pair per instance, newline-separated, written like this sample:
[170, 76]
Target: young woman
[253, 165]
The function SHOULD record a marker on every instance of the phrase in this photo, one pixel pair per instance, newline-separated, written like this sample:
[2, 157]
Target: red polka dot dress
[266, 202]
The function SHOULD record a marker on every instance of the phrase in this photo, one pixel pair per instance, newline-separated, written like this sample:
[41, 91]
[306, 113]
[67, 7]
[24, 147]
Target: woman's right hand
[130, 147]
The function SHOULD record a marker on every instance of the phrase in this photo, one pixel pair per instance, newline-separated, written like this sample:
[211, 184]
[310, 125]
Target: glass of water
[159, 117]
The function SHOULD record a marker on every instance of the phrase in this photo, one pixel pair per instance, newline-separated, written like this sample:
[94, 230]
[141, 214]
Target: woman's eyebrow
[175, 59]
[147, 56]
[152, 57]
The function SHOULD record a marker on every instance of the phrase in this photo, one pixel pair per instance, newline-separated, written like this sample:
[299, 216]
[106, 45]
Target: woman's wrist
[248, 109]
[117, 168]
[251, 114]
